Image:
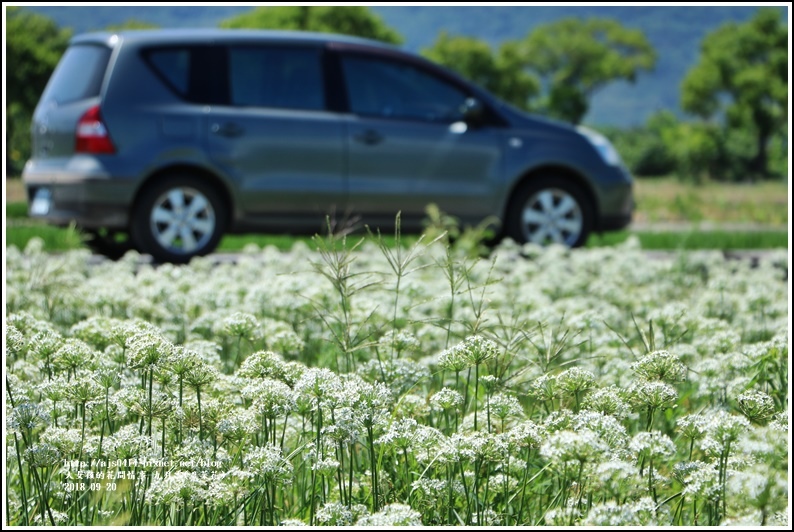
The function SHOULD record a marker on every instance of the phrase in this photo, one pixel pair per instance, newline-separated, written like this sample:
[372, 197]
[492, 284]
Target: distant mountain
[675, 32]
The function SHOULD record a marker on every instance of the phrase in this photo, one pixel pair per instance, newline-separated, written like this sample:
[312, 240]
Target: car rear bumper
[89, 199]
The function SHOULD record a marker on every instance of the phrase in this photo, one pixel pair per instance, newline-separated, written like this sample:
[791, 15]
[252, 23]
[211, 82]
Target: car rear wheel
[550, 210]
[178, 218]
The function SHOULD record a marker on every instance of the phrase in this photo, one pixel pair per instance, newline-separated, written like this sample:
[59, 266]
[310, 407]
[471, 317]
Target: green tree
[132, 24]
[34, 44]
[698, 150]
[741, 80]
[577, 57]
[347, 20]
[643, 148]
[502, 73]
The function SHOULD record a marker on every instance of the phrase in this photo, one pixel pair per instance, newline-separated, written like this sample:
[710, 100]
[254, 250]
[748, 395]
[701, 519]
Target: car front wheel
[177, 219]
[550, 210]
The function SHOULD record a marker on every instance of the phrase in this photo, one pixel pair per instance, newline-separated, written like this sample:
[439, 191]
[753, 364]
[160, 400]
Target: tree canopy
[567, 61]
[133, 24]
[741, 79]
[34, 44]
[347, 20]
[501, 73]
[575, 57]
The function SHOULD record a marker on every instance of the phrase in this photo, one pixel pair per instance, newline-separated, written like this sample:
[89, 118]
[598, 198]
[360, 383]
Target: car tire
[178, 218]
[549, 209]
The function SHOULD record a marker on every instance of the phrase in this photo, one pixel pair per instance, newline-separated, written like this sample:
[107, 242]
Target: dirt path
[14, 191]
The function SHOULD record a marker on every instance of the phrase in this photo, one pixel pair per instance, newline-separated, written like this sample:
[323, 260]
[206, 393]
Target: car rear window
[79, 74]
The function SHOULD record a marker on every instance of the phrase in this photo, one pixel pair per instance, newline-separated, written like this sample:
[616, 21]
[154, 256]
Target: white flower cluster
[567, 387]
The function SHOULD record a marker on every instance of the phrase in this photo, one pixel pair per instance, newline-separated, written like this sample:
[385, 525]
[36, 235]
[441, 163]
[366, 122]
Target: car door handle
[369, 137]
[228, 129]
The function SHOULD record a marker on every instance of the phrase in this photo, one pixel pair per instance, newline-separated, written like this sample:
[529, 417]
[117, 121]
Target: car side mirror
[472, 110]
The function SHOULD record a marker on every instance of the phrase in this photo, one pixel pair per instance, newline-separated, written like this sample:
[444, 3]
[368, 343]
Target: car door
[408, 145]
[275, 137]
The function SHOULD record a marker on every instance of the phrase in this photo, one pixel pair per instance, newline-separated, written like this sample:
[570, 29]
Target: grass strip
[694, 240]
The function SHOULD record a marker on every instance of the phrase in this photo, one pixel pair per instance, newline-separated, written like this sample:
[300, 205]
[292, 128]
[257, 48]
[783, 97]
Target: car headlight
[602, 146]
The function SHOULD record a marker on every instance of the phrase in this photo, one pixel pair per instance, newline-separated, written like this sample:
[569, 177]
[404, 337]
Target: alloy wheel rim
[552, 216]
[182, 220]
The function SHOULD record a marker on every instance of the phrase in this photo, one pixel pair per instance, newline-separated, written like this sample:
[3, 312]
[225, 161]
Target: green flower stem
[465, 493]
[350, 472]
[340, 454]
[181, 383]
[21, 481]
[650, 419]
[476, 392]
[314, 473]
[43, 498]
[373, 466]
[520, 513]
[651, 487]
[201, 425]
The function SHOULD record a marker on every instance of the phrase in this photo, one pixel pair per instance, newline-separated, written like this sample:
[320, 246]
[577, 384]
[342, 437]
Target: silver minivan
[176, 137]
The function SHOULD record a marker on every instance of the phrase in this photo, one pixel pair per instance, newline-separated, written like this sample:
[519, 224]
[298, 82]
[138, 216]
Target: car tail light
[92, 135]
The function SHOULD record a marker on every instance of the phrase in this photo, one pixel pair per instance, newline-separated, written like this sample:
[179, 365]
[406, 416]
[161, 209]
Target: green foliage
[643, 148]
[132, 24]
[52, 238]
[694, 151]
[566, 102]
[500, 72]
[34, 44]
[741, 81]
[694, 240]
[17, 209]
[704, 151]
[17, 137]
[573, 58]
[469, 241]
[778, 155]
[696, 147]
[347, 20]
[577, 57]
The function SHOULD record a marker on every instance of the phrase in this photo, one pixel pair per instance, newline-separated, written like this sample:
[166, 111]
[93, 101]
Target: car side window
[384, 88]
[282, 78]
[173, 65]
[185, 71]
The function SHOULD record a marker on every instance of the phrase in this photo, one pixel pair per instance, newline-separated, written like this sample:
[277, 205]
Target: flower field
[355, 383]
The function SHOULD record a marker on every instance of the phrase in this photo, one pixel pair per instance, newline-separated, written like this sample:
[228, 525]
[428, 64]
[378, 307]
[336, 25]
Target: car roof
[205, 35]
[175, 36]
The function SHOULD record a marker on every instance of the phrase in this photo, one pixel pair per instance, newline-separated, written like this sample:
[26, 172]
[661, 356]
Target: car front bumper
[616, 201]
